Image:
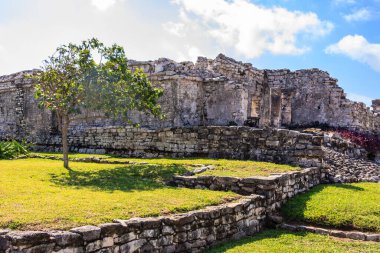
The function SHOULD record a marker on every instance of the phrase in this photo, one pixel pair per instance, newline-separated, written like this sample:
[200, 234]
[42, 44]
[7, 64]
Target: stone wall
[277, 145]
[19, 113]
[190, 232]
[277, 189]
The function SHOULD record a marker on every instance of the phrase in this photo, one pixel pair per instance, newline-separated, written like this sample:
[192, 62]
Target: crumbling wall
[276, 145]
[314, 96]
[20, 116]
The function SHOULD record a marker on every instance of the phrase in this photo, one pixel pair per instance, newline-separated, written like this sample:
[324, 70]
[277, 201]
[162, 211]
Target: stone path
[354, 235]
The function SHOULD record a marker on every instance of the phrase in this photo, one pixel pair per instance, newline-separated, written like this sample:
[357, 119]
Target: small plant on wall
[12, 149]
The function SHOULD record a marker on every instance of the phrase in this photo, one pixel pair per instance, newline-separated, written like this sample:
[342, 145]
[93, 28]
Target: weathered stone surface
[89, 233]
[148, 143]
[28, 238]
[373, 237]
[39, 248]
[354, 235]
[111, 229]
[342, 168]
[4, 243]
[63, 239]
[4, 231]
[70, 250]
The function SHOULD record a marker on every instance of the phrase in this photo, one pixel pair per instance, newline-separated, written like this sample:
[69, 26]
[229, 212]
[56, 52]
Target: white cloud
[360, 98]
[358, 48]
[238, 28]
[247, 28]
[359, 15]
[38, 27]
[175, 28]
[103, 4]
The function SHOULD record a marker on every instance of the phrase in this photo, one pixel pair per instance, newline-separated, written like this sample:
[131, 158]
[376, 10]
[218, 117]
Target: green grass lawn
[342, 205]
[236, 168]
[280, 241]
[41, 194]
[223, 167]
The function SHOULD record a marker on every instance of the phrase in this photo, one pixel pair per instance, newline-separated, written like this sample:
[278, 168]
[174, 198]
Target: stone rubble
[342, 168]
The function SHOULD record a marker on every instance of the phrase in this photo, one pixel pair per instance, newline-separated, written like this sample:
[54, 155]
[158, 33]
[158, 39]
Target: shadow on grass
[126, 178]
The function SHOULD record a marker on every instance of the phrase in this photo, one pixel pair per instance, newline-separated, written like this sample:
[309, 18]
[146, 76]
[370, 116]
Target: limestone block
[89, 233]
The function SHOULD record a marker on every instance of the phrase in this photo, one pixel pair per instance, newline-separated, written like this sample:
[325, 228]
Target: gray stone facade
[210, 92]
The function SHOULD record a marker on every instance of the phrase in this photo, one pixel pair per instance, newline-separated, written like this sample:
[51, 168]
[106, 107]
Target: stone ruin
[201, 102]
[217, 92]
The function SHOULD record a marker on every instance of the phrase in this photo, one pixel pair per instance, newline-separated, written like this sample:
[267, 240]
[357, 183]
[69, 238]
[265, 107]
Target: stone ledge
[83, 160]
[354, 235]
[276, 188]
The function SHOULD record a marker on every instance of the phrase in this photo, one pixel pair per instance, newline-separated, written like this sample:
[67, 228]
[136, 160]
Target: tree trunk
[65, 143]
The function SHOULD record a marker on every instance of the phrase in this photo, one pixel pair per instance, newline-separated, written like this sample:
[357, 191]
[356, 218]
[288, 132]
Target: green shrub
[12, 149]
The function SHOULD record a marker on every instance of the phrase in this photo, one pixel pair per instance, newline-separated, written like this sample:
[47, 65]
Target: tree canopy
[93, 76]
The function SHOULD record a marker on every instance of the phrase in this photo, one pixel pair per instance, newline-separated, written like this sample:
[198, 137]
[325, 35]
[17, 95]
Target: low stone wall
[190, 232]
[277, 189]
[276, 145]
[354, 235]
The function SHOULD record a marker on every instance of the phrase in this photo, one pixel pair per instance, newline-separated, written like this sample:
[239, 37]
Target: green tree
[95, 77]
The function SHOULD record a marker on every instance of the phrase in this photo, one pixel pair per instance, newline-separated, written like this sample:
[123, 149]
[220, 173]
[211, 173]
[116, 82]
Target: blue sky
[338, 36]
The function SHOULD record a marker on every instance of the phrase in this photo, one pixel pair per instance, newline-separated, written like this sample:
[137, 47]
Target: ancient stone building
[210, 92]
[376, 106]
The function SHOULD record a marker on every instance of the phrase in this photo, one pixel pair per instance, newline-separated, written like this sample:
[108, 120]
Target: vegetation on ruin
[92, 76]
[41, 194]
[369, 141]
[281, 241]
[12, 149]
[350, 206]
[223, 167]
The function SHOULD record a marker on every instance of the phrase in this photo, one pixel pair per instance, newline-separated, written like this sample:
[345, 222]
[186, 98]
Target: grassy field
[280, 241]
[223, 167]
[346, 206]
[41, 194]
